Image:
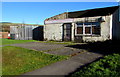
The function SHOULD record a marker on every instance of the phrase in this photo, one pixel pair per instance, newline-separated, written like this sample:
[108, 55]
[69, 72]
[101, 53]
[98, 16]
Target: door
[38, 33]
[67, 29]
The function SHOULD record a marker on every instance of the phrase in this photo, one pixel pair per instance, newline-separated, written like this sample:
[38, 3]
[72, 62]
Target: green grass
[0, 61]
[16, 60]
[10, 41]
[108, 66]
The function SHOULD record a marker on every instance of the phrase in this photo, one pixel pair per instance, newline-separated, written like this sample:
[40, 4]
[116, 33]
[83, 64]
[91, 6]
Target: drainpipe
[111, 20]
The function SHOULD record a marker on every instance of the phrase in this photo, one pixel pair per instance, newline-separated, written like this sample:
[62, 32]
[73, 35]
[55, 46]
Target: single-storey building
[4, 34]
[26, 32]
[91, 25]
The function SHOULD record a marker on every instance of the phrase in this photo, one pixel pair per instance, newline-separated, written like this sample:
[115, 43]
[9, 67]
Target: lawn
[10, 41]
[16, 60]
[109, 66]
[0, 61]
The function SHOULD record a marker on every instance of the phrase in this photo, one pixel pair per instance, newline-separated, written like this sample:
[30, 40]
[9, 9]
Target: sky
[37, 12]
[60, 0]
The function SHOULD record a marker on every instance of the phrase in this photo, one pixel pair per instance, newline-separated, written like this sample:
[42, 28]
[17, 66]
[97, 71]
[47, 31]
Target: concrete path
[58, 49]
[39, 46]
[67, 66]
[4, 45]
[62, 67]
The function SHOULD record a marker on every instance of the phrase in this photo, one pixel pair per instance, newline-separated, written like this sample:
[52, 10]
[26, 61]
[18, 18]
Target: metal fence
[22, 32]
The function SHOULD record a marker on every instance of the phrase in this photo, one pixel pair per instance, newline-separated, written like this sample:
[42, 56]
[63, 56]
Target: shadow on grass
[104, 48]
[82, 67]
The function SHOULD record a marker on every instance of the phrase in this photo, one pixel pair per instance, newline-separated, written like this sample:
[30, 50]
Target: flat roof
[93, 12]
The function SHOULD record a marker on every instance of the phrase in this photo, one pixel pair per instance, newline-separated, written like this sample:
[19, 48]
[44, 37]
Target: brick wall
[4, 34]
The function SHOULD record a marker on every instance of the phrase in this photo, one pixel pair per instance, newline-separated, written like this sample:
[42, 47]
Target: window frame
[90, 30]
[96, 26]
[76, 29]
[90, 25]
[84, 26]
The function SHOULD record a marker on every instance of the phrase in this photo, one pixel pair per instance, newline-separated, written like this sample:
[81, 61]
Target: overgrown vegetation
[108, 66]
[18, 60]
[10, 41]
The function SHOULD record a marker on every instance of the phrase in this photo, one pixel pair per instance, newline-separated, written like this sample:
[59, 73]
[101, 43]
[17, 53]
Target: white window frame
[90, 29]
[84, 26]
[76, 29]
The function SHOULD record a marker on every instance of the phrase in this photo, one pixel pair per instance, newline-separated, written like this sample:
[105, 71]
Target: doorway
[67, 30]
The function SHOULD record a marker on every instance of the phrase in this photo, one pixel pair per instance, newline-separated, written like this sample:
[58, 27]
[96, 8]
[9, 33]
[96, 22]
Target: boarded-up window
[87, 30]
[79, 28]
[96, 28]
[90, 28]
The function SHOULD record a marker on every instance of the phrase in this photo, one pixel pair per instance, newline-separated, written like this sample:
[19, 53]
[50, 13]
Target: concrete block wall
[4, 34]
[60, 16]
[53, 32]
[105, 31]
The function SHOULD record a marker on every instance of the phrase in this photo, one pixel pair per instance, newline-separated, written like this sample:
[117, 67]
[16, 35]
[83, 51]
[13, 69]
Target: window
[96, 28]
[91, 28]
[79, 28]
[87, 28]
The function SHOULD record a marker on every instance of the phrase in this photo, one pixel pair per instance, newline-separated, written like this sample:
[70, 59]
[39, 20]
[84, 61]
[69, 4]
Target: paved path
[58, 49]
[67, 66]
[62, 67]
[4, 45]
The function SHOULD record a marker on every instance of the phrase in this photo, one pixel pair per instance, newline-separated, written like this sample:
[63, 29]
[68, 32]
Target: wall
[26, 32]
[21, 32]
[4, 34]
[116, 26]
[105, 30]
[73, 31]
[60, 16]
[53, 32]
